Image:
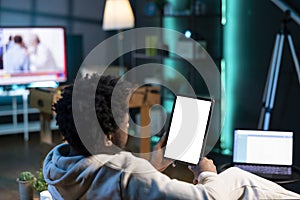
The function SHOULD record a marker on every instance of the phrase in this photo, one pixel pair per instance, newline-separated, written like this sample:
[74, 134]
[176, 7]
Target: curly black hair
[103, 108]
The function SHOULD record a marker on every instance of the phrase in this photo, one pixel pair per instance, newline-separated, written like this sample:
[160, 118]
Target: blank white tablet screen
[187, 130]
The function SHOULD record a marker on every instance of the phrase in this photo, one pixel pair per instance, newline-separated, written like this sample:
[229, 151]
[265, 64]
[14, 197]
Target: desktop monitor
[32, 54]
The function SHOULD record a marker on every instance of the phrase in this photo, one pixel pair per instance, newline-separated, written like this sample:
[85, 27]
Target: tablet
[186, 135]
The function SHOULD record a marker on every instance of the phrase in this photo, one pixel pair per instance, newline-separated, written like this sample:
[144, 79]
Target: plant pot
[25, 190]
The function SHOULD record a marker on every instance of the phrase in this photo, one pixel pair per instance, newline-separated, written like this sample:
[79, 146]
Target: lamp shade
[117, 15]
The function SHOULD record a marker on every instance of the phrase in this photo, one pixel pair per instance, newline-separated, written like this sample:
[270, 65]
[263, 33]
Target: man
[73, 172]
[15, 59]
[41, 58]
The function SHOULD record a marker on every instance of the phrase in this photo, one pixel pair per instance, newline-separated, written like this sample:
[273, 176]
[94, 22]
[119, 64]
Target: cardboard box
[148, 95]
[153, 95]
[137, 98]
[43, 99]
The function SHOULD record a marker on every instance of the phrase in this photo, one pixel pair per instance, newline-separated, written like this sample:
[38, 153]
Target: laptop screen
[263, 147]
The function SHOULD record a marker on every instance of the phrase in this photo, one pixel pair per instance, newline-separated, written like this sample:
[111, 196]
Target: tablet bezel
[206, 128]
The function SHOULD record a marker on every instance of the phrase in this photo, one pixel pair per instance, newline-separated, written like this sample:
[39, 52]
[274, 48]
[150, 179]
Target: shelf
[7, 110]
[159, 57]
[204, 24]
[7, 129]
[183, 15]
[21, 126]
[144, 56]
[191, 15]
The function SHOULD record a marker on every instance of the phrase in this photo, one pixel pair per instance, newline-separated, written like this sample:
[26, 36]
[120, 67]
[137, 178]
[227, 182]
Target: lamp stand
[120, 49]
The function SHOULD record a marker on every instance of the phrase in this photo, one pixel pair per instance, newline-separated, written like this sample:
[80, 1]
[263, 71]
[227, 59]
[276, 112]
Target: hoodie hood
[102, 176]
[69, 177]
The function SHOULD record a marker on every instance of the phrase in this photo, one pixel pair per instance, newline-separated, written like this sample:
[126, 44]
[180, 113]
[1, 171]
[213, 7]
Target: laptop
[186, 135]
[266, 153]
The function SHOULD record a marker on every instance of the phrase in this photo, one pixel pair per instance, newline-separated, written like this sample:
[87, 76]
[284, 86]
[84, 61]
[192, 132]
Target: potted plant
[40, 183]
[26, 180]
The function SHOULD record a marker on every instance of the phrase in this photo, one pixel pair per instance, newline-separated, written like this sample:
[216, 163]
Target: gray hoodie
[124, 176]
[119, 176]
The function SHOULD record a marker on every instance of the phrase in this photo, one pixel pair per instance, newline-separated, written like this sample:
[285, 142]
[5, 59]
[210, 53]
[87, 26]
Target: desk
[293, 179]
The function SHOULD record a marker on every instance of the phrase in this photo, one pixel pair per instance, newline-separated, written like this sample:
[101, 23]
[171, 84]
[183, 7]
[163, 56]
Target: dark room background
[248, 38]
[257, 23]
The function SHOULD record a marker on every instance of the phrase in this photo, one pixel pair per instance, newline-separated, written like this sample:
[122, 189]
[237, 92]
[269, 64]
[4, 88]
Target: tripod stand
[272, 79]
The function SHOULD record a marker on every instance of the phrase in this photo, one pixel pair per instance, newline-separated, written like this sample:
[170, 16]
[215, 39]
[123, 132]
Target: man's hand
[204, 165]
[157, 156]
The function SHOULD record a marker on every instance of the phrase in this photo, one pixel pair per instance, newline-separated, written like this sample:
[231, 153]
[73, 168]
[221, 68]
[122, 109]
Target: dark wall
[259, 23]
[74, 55]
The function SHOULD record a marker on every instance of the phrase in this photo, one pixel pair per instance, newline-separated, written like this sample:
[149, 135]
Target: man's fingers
[161, 142]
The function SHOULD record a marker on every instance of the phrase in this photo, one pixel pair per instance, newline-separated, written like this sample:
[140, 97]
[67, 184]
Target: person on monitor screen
[16, 59]
[100, 168]
[41, 57]
[9, 43]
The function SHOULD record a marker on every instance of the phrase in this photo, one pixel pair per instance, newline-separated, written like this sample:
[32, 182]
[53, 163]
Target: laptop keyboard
[266, 169]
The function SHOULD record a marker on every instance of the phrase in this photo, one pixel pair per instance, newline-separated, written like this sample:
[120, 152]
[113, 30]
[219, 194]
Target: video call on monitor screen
[188, 127]
[32, 54]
